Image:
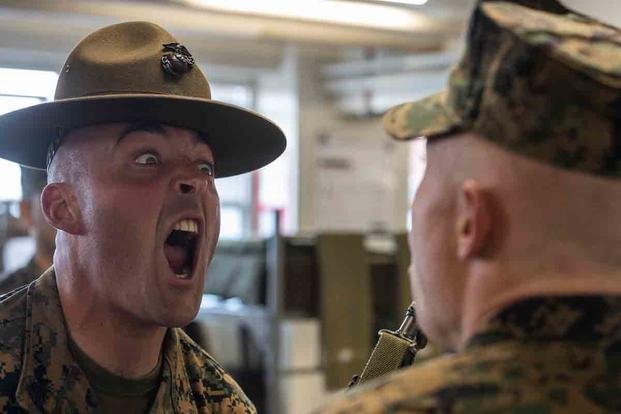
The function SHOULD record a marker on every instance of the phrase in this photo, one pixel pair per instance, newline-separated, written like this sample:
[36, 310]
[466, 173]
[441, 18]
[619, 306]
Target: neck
[489, 292]
[111, 338]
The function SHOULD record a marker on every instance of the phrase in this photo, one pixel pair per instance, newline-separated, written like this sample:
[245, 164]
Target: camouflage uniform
[39, 374]
[543, 82]
[543, 355]
[19, 277]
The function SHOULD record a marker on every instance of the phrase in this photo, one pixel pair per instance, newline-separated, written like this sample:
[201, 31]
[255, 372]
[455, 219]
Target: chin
[177, 315]
[178, 319]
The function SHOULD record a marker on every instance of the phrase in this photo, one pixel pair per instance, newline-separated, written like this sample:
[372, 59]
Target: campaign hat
[138, 72]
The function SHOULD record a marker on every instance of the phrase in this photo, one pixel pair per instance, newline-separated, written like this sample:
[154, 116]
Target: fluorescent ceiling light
[405, 2]
[324, 11]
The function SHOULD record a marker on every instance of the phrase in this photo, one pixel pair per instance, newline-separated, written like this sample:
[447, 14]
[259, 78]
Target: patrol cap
[536, 78]
[138, 72]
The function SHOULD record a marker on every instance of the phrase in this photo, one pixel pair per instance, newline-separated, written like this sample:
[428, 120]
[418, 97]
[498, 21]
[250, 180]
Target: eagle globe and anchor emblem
[177, 61]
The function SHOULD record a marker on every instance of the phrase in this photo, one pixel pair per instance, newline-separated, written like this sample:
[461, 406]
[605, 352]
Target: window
[236, 193]
[20, 88]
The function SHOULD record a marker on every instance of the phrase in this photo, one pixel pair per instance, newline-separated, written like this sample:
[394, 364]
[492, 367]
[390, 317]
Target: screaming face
[150, 213]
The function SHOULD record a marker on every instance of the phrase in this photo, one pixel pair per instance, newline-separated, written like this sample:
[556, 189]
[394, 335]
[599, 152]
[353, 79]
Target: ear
[25, 213]
[61, 209]
[474, 220]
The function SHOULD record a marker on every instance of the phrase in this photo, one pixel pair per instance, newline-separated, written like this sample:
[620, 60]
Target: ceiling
[41, 32]
[364, 70]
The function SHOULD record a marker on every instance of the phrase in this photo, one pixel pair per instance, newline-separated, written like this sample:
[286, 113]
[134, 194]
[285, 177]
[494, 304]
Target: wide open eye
[206, 168]
[148, 158]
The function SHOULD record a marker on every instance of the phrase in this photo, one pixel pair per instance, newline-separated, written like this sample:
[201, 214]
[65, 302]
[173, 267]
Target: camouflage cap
[541, 80]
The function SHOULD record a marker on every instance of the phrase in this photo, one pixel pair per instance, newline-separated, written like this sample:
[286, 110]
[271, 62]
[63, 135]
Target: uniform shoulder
[508, 376]
[12, 326]
[451, 383]
[12, 310]
[14, 279]
[210, 381]
[197, 357]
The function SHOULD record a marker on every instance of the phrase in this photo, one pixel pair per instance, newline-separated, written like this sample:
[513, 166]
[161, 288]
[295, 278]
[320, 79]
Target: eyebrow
[150, 127]
[155, 128]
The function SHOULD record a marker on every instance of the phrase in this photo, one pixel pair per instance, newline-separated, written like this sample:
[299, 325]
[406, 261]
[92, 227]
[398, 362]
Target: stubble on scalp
[69, 159]
[547, 208]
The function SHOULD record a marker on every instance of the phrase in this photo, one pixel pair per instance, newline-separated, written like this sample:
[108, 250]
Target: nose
[189, 182]
[187, 188]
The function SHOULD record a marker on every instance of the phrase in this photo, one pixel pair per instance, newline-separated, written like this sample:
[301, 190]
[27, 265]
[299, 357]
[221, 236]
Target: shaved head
[543, 206]
[67, 161]
[491, 227]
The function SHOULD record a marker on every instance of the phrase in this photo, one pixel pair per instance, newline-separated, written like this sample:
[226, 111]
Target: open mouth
[180, 248]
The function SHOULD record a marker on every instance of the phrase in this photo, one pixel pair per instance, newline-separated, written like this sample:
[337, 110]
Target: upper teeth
[187, 225]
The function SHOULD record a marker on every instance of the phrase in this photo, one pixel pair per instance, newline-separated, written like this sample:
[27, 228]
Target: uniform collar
[50, 377]
[52, 381]
[588, 319]
[175, 393]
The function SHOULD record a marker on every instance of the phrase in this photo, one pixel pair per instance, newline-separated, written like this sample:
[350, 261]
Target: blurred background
[313, 256]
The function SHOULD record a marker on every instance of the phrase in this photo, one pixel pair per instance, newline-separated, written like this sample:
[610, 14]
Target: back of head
[491, 227]
[544, 209]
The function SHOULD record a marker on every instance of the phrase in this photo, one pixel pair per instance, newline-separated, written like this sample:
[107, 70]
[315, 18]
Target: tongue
[176, 256]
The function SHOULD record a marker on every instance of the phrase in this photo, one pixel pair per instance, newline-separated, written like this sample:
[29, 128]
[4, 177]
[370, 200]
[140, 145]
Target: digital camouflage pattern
[542, 81]
[19, 277]
[539, 356]
[39, 374]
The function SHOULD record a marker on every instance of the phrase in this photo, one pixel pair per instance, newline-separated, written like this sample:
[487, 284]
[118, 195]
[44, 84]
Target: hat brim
[427, 118]
[240, 140]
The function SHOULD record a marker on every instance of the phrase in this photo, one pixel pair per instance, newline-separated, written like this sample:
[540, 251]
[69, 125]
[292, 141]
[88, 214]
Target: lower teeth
[185, 273]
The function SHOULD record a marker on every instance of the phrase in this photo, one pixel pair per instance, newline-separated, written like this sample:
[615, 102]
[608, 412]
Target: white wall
[318, 117]
[278, 99]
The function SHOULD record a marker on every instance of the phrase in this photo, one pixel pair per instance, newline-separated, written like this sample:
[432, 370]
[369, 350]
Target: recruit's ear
[474, 220]
[61, 209]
